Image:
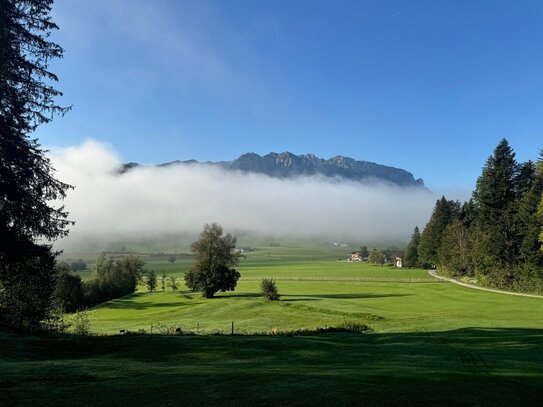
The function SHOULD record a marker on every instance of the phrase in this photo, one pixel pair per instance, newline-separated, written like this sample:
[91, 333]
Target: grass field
[468, 367]
[431, 343]
[387, 307]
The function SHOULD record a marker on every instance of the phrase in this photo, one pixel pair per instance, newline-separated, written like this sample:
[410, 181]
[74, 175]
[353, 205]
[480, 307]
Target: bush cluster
[113, 278]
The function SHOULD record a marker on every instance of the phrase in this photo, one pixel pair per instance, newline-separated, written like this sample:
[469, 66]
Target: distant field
[299, 261]
[317, 290]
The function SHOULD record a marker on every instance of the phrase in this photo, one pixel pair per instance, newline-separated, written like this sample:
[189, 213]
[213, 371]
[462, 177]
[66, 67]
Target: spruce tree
[411, 258]
[445, 212]
[529, 221]
[540, 219]
[27, 183]
[495, 197]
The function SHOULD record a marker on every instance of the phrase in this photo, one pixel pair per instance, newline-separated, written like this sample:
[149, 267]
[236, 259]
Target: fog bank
[157, 201]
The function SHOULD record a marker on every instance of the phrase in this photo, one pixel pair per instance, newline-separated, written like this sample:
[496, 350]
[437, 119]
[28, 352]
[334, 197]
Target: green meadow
[430, 342]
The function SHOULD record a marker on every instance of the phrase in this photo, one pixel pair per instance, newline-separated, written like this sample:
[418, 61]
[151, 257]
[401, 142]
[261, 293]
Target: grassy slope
[434, 343]
[399, 307]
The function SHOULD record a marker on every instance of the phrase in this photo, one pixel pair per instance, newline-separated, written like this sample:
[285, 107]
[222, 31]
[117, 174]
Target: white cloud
[154, 201]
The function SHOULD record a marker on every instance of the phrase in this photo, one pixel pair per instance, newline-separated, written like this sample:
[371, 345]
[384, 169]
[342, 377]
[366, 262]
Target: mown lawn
[387, 307]
[472, 366]
[432, 343]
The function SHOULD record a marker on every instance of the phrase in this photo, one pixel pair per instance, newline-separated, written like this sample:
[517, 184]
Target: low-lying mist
[154, 202]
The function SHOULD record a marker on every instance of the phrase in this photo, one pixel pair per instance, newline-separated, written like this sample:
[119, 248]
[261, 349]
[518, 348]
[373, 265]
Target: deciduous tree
[173, 283]
[214, 259]
[151, 281]
[454, 254]
[376, 257]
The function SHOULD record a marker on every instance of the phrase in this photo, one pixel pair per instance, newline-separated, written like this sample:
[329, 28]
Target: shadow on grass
[471, 366]
[243, 295]
[343, 296]
[139, 305]
[297, 299]
[312, 297]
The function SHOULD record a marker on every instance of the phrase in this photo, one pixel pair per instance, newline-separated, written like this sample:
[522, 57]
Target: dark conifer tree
[445, 212]
[468, 213]
[411, 258]
[27, 184]
[540, 219]
[530, 223]
[495, 197]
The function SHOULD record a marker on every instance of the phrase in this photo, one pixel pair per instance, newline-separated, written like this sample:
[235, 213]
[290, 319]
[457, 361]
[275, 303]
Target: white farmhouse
[399, 262]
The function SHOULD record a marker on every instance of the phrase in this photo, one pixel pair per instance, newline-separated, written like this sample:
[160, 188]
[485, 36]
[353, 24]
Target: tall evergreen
[27, 184]
[468, 213]
[540, 219]
[445, 212]
[529, 221]
[495, 197]
[411, 257]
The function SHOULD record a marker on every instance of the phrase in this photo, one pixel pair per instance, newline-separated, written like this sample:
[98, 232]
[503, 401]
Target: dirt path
[452, 280]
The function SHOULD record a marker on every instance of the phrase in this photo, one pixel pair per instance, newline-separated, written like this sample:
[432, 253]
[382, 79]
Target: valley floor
[432, 343]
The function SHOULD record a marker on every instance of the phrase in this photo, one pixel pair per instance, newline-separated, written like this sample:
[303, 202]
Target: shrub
[81, 323]
[354, 326]
[55, 323]
[269, 289]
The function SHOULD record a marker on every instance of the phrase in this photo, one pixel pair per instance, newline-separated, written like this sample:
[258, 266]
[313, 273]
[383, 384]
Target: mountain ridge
[289, 165]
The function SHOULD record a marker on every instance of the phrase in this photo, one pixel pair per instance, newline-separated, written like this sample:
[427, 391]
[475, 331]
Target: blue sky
[426, 85]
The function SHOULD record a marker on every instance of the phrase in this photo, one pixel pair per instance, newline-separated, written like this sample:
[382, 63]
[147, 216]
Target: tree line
[112, 278]
[495, 237]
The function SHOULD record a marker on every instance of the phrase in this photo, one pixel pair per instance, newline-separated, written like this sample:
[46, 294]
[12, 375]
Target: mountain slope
[288, 165]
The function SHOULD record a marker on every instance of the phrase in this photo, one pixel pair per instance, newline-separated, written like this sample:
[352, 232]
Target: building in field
[355, 256]
[399, 262]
